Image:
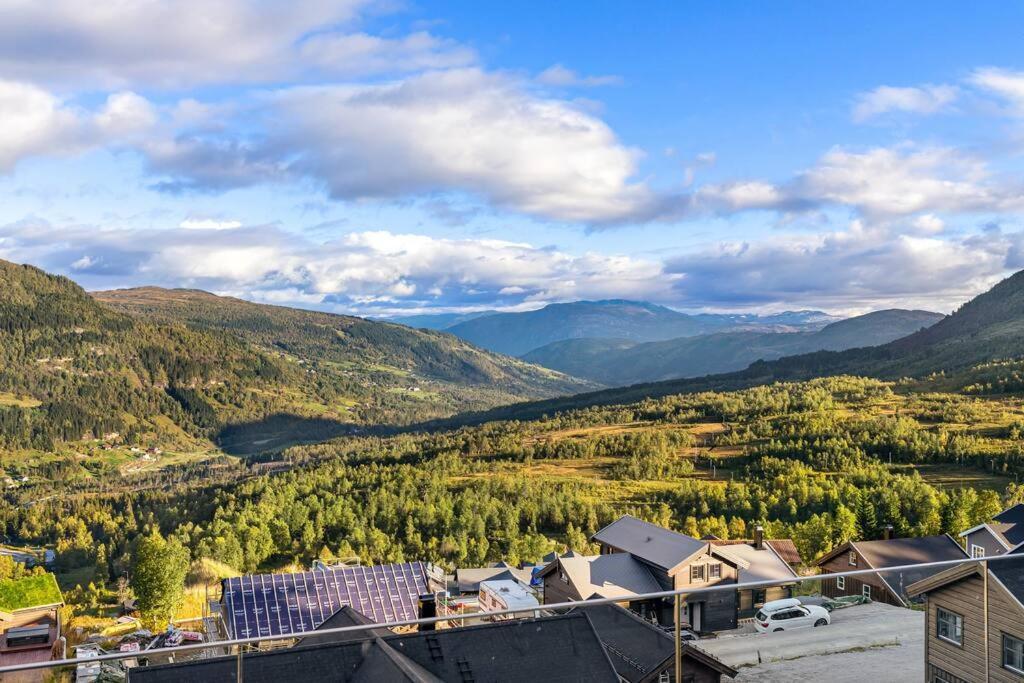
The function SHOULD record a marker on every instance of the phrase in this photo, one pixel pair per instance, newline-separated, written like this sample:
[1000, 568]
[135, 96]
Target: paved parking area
[863, 642]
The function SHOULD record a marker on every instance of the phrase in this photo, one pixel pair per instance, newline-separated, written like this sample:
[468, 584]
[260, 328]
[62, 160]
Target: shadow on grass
[277, 432]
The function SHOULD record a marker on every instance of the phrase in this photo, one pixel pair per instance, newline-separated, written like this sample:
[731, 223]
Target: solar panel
[286, 604]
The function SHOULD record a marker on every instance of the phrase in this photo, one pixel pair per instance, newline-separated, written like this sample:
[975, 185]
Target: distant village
[498, 622]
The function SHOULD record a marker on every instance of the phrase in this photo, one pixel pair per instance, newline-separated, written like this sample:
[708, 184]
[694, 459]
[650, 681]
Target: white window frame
[1006, 666]
[958, 621]
[698, 573]
[977, 551]
[853, 559]
[865, 590]
[841, 583]
[715, 571]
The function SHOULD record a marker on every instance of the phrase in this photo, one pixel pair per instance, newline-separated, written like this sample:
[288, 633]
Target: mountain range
[618, 362]
[970, 347]
[186, 368]
[519, 333]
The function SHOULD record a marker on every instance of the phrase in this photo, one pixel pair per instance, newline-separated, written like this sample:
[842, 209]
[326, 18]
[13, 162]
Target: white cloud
[209, 224]
[856, 268]
[361, 271]
[895, 182]
[32, 121]
[926, 99]
[36, 122]
[168, 43]
[560, 76]
[1007, 84]
[361, 53]
[459, 130]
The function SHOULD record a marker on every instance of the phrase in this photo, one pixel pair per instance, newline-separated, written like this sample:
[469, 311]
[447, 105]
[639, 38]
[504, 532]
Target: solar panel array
[284, 604]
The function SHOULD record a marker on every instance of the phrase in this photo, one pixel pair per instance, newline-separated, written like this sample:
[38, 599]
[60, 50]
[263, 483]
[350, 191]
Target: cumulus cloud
[926, 99]
[880, 184]
[856, 268]
[1008, 85]
[181, 43]
[361, 271]
[457, 130]
[35, 122]
[560, 76]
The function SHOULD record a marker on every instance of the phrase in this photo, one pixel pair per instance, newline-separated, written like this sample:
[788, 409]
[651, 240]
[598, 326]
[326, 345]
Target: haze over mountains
[622, 362]
[963, 349]
[519, 333]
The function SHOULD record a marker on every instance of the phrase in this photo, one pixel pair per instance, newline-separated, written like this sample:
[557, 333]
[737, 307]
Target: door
[802, 618]
[693, 615]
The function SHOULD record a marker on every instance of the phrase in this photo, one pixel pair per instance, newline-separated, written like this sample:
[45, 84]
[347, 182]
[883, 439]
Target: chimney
[428, 608]
[759, 537]
[887, 532]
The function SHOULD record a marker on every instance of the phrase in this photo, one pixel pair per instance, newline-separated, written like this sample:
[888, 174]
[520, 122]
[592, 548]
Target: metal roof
[285, 604]
[649, 542]
[608, 576]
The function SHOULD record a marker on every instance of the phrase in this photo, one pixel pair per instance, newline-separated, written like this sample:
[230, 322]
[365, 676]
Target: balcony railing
[237, 647]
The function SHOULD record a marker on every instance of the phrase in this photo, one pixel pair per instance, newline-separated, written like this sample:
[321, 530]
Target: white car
[785, 615]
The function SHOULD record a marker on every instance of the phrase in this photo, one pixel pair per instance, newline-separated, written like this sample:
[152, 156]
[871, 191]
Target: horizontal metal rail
[718, 588]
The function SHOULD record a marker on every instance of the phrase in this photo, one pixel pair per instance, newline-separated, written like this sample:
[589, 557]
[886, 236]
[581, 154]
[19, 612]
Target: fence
[238, 644]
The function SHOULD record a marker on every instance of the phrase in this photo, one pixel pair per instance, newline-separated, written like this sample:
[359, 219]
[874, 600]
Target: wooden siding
[719, 610]
[855, 584]
[1005, 615]
[965, 661]
[556, 590]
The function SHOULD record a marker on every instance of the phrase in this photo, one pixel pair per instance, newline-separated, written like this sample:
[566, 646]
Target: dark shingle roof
[346, 616]
[634, 646]
[902, 551]
[649, 542]
[560, 649]
[1011, 574]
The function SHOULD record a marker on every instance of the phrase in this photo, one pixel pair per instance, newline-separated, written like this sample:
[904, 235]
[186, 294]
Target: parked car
[789, 614]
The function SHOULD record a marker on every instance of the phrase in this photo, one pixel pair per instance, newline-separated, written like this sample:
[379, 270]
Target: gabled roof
[560, 648]
[786, 549]
[755, 565]
[897, 552]
[1007, 527]
[651, 543]
[346, 616]
[1008, 572]
[617, 575]
[637, 647]
[1011, 574]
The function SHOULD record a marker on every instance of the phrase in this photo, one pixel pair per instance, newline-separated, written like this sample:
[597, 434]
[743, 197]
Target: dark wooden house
[886, 585]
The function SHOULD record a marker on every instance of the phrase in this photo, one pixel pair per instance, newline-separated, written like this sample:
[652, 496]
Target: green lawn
[32, 591]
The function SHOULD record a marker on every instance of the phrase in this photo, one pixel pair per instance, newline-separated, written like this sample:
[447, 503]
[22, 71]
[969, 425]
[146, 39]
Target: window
[697, 572]
[759, 596]
[563, 577]
[1013, 654]
[715, 571]
[977, 551]
[841, 583]
[853, 559]
[664, 677]
[949, 626]
[866, 591]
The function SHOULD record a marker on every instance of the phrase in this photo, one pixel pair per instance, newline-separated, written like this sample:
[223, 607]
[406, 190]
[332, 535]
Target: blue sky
[381, 158]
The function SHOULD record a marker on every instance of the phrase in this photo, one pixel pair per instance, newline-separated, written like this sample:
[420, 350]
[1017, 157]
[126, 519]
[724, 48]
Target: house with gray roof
[757, 560]
[1003, 534]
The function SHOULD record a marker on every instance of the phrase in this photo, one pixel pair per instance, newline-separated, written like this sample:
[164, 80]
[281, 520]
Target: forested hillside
[820, 461]
[249, 378]
[618, 362]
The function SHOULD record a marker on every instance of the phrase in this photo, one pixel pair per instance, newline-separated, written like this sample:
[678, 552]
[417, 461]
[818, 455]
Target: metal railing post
[679, 638]
[238, 665]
